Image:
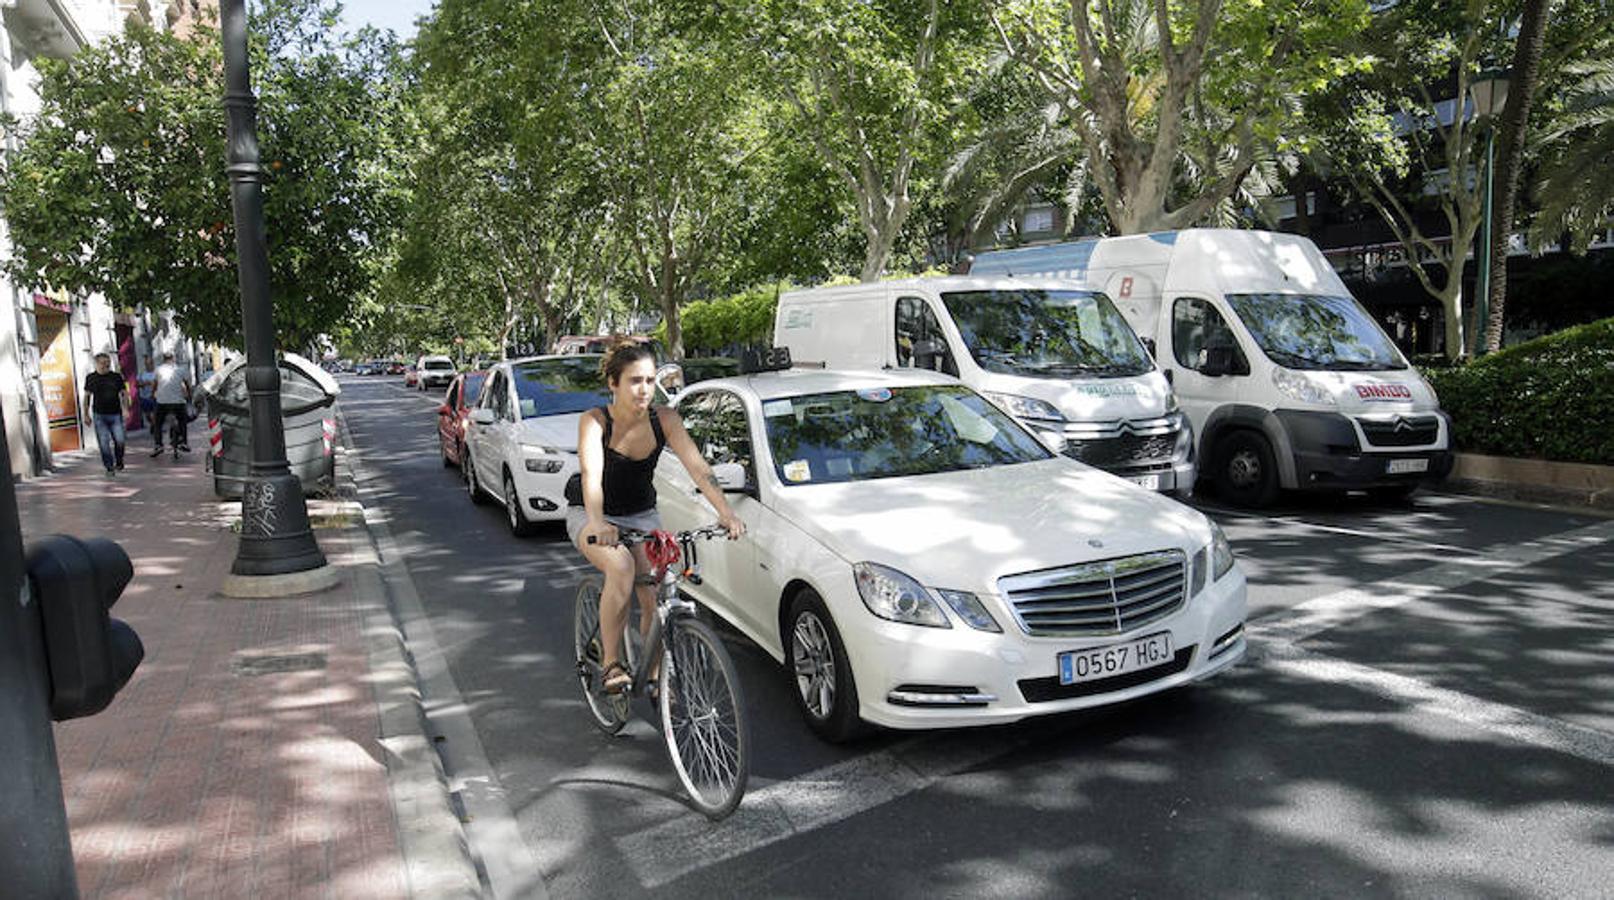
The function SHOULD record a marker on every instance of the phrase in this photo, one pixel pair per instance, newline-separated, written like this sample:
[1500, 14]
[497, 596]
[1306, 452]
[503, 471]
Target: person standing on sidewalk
[173, 390]
[106, 397]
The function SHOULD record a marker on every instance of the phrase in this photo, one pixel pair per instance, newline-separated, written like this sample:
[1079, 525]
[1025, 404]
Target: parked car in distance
[521, 443]
[917, 558]
[396, 367]
[453, 413]
[433, 371]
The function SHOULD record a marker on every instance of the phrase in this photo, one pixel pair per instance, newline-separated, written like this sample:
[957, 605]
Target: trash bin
[307, 399]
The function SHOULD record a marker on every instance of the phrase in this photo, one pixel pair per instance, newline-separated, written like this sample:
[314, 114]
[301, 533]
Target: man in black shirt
[106, 397]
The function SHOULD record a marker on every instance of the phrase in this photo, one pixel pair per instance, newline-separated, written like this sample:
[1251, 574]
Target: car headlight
[892, 595]
[1185, 436]
[542, 459]
[1025, 407]
[1221, 553]
[1300, 386]
[970, 609]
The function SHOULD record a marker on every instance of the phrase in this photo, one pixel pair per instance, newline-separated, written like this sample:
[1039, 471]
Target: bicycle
[702, 711]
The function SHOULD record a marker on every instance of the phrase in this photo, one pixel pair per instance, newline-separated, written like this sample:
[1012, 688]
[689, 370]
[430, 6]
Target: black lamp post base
[275, 535]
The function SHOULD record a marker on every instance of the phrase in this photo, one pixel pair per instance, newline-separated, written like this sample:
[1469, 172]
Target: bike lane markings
[687, 843]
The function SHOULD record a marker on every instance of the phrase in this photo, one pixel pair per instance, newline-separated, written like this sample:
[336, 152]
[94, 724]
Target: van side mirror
[1218, 360]
[928, 353]
[1149, 345]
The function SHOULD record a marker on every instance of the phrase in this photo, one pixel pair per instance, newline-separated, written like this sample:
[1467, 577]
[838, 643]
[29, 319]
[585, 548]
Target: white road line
[1379, 536]
[663, 853]
[1330, 610]
[1520, 725]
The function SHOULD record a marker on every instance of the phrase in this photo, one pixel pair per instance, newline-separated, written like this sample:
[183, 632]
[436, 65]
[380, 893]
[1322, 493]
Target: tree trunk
[1510, 157]
[1451, 302]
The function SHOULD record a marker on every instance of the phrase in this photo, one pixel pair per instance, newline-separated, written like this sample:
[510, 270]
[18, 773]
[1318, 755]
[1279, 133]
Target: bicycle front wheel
[609, 713]
[703, 717]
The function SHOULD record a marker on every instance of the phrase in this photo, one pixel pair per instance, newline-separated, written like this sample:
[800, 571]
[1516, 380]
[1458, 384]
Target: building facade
[48, 339]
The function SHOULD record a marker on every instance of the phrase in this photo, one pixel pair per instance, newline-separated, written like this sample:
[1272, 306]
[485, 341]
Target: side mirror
[1053, 440]
[1149, 345]
[483, 416]
[670, 378]
[730, 477]
[1218, 361]
[927, 354]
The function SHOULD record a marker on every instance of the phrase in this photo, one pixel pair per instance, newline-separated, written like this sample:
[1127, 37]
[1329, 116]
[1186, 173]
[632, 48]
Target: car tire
[819, 669]
[519, 525]
[1246, 470]
[472, 488]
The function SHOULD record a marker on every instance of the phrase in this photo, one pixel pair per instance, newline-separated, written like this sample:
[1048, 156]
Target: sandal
[615, 685]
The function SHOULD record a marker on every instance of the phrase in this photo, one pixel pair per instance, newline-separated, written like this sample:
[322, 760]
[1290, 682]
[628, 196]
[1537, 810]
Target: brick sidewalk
[245, 757]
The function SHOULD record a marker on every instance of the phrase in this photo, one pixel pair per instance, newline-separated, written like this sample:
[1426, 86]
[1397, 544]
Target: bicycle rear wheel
[609, 712]
[703, 717]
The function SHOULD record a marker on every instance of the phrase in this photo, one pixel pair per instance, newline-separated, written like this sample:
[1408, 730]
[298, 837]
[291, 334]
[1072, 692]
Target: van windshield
[1310, 331]
[1047, 333]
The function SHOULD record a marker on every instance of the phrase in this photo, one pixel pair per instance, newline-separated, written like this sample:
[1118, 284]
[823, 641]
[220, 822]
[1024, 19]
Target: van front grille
[1401, 431]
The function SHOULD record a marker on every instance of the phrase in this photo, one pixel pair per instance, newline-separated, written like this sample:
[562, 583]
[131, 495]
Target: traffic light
[90, 655]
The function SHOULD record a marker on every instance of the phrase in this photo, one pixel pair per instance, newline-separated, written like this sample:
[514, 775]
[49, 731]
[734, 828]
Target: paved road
[1428, 710]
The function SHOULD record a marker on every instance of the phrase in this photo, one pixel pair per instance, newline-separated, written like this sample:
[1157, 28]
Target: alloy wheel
[813, 659]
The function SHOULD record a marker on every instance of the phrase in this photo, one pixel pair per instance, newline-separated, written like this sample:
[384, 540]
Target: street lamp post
[275, 535]
[1490, 92]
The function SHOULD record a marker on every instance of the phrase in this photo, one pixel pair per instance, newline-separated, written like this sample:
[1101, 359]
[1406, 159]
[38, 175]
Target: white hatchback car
[521, 440]
[918, 559]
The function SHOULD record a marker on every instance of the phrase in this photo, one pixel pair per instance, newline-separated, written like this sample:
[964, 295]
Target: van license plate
[1077, 666]
[1406, 466]
[1152, 482]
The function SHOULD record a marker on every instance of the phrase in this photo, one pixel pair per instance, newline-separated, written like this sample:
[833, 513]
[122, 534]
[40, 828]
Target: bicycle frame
[669, 605]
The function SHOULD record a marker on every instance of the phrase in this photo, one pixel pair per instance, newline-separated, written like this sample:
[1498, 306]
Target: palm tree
[1575, 184]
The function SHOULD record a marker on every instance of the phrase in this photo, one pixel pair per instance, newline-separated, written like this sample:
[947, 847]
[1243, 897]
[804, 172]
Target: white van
[1058, 357]
[1288, 381]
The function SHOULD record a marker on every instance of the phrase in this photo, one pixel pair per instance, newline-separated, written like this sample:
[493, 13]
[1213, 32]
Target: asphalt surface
[1428, 710]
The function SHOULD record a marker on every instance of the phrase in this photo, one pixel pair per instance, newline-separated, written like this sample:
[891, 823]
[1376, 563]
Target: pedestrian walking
[172, 392]
[146, 393]
[106, 398]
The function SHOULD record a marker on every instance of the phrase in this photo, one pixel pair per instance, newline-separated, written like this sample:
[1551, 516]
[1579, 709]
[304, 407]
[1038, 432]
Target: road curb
[437, 853]
[1533, 480]
[491, 840]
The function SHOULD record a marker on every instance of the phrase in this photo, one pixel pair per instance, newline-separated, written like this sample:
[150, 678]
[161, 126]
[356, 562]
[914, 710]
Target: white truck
[1058, 357]
[1289, 382]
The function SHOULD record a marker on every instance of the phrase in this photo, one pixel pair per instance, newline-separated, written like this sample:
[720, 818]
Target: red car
[452, 415]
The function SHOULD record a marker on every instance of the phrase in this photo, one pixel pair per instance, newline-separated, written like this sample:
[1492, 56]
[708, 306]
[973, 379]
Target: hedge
[1550, 398]
[715, 326]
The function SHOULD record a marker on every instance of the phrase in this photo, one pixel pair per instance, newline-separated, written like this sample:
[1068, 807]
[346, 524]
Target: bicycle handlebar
[629, 536]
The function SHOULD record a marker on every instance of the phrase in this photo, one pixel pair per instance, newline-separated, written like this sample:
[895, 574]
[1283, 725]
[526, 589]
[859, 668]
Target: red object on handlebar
[661, 549]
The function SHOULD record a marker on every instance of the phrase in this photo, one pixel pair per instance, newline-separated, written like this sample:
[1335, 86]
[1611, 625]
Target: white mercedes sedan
[917, 559]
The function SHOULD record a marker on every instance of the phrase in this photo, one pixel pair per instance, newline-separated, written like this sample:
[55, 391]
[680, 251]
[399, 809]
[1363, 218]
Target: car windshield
[473, 388]
[1309, 331]
[548, 387]
[886, 432]
[1047, 333]
[439, 364]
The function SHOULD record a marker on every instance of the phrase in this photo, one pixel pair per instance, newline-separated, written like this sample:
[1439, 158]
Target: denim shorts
[577, 517]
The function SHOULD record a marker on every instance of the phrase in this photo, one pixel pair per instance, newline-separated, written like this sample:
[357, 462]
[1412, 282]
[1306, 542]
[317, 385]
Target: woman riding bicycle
[617, 449]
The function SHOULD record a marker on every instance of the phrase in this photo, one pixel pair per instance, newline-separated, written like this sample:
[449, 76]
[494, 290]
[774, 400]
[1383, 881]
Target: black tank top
[627, 482]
